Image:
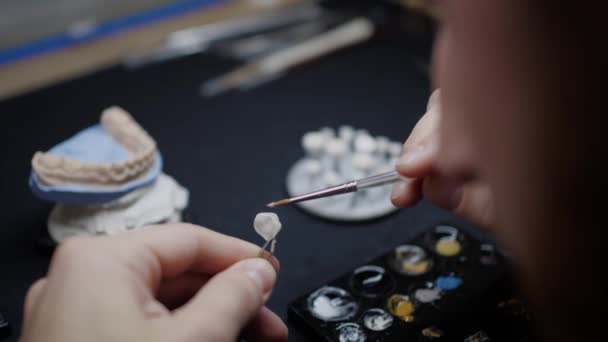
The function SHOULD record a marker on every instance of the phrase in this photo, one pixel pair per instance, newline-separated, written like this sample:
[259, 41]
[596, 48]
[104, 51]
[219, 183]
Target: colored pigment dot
[432, 332]
[401, 307]
[416, 268]
[448, 283]
[410, 260]
[427, 295]
[448, 248]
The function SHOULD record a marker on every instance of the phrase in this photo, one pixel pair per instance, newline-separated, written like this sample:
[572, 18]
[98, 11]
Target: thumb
[415, 164]
[229, 300]
[417, 161]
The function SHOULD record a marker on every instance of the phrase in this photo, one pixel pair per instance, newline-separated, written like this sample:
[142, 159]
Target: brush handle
[353, 186]
[350, 33]
[378, 180]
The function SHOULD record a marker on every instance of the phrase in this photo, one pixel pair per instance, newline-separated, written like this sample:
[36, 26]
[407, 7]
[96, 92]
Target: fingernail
[399, 190]
[260, 272]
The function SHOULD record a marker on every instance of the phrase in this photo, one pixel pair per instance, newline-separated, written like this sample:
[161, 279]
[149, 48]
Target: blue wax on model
[92, 145]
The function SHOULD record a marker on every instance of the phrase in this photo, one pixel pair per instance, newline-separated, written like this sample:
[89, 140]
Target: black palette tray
[443, 285]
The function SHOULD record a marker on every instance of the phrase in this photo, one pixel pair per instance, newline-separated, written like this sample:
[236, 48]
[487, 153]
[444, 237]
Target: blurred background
[31, 20]
[44, 42]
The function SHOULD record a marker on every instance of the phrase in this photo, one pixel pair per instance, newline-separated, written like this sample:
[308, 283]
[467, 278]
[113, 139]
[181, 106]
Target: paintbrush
[348, 187]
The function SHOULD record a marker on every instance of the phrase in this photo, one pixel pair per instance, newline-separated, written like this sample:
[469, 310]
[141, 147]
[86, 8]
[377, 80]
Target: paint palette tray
[443, 285]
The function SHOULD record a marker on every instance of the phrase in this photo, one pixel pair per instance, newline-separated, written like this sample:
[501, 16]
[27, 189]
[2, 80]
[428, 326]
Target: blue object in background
[92, 145]
[64, 40]
[448, 283]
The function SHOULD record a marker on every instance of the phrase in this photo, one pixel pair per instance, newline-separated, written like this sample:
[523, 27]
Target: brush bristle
[278, 203]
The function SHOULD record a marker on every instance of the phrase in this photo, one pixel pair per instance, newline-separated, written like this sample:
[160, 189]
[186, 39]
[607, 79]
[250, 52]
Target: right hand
[469, 198]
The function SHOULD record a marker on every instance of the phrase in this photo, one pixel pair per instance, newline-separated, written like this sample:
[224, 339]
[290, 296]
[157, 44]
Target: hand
[163, 283]
[418, 163]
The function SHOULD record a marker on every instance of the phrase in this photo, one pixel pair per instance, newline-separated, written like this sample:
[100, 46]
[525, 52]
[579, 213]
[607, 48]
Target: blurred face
[522, 104]
[488, 128]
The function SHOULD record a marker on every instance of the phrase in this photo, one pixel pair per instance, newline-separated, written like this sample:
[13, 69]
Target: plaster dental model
[99, 164]
[76, 164]
[161, 203]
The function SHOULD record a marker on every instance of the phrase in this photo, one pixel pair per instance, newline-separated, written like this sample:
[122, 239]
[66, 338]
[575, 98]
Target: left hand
[165, 283]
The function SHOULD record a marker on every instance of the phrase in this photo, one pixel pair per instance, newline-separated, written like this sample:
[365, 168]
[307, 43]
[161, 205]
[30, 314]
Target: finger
[424, 130]
[266, 327]
[420, 147]
[31, 298]
[442, 191]
[167, 251]
[229, 300]
[417, 162]
[433, 103]
[407, 192]
[175, 292]
[469, 200]
[476, 204]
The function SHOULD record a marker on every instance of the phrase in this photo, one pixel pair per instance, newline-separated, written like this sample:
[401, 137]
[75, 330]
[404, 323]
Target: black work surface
[232, 152]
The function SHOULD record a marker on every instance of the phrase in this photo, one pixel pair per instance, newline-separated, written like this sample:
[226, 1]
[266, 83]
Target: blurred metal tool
[273, 65]
[263, 43]
[198, 39]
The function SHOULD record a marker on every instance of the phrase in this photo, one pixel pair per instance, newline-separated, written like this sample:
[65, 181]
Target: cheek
[487, 128]
[457, 151]
[474, 69]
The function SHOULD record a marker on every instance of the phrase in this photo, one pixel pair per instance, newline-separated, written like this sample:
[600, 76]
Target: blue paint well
[448, 283]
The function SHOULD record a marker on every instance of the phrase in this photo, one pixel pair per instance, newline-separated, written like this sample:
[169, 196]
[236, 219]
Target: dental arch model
[141, 148]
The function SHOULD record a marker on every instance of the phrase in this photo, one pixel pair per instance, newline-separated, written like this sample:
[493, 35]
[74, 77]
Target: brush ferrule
[334, 190]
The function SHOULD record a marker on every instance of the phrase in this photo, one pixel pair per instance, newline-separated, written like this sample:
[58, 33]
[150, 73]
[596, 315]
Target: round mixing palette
[351, 332]
[332, 304]
[377, 320]
[371, 281]
[410, 260]
[402, 307]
